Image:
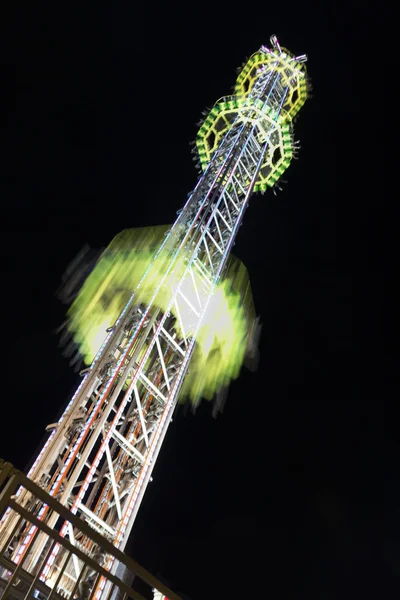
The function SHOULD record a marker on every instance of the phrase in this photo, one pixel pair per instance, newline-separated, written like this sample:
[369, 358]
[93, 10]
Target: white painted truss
[99, 457]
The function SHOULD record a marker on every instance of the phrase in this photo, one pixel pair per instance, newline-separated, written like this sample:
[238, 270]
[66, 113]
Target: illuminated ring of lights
[272, 129]
[293, 76]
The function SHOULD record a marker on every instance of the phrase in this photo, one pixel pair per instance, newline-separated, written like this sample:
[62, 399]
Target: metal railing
[85, 566]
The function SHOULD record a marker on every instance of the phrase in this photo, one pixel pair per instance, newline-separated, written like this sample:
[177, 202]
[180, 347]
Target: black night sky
[281, 496]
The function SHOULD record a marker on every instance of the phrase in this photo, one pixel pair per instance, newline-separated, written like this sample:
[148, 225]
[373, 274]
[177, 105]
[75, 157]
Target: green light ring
[293, 108]
[296, 68]
[279, 168]
[259, 58]
[247, 107]
[219, 111]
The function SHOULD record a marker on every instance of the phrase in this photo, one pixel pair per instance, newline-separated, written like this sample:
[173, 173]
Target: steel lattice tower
[99, 457]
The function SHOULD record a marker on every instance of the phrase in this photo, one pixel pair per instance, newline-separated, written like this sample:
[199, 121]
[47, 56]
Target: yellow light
[222, 339]
[221, 346]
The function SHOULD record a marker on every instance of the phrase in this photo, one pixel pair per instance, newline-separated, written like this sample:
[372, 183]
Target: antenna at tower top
[274, 43]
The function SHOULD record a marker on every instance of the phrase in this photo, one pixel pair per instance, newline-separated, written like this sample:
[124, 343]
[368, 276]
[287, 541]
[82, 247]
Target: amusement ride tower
[99, 456]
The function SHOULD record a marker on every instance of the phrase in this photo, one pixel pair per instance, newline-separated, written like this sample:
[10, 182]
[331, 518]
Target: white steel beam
[74, 557]
[161, 357]
[141, 417]
[178, 314]
[148, 432]
[190, 305]
[228, 227]
[124, 442]
[195, 287]
[113, 481]
[228, 195]
[149, 384]
[203, 272]
[172, 341]
[93, 517]
[218, 247]
[208, 254]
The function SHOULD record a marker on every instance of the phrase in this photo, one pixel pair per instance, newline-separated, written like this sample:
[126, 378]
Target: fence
[37, 562]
